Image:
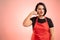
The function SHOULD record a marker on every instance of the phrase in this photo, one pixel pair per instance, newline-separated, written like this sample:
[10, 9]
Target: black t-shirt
[50, 23]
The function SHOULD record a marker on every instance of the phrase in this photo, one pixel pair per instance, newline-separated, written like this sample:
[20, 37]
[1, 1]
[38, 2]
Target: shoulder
[50, 23]
[48, 18]
[33, 18]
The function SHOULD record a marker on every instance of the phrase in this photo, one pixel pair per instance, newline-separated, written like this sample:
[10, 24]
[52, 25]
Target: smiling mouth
[41, 12]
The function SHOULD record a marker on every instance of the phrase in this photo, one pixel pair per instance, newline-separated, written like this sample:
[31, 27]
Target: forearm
[27, 20]
[52, 33]
[52, 36]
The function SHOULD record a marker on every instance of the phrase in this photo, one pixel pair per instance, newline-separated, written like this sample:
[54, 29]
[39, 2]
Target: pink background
[13, 13]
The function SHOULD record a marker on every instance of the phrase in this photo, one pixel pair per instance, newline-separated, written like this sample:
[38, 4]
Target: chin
[41, 14]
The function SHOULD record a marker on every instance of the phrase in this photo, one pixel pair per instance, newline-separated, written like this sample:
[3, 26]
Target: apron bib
[41, 31]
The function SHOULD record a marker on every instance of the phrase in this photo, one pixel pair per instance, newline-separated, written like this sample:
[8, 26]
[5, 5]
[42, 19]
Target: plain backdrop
[13, 13]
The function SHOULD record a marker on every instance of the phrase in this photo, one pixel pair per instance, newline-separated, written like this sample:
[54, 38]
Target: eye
[41, 8]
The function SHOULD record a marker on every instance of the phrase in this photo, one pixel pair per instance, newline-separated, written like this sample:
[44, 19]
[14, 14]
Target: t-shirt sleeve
[50, 23]
[33, 19]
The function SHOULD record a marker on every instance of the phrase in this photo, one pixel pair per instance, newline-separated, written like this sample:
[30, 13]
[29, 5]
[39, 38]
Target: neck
[41, 17]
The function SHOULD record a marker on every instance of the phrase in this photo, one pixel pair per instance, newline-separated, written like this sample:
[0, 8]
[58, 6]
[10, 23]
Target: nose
[41, 11]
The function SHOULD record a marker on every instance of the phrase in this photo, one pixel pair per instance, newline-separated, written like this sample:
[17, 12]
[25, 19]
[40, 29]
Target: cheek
[40, 11]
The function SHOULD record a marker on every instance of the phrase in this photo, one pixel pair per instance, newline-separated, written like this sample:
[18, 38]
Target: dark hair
[40, 3]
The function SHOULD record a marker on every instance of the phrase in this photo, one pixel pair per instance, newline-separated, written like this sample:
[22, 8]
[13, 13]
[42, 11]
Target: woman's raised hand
[34, 13]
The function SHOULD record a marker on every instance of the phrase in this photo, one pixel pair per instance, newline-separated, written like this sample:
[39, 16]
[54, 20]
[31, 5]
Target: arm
[52, 33]
[27, 22]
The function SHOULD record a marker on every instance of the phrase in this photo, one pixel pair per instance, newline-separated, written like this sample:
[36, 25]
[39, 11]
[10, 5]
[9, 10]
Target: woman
[43, 27]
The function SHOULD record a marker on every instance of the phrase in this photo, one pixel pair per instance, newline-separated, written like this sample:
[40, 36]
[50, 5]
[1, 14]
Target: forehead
[40, 6]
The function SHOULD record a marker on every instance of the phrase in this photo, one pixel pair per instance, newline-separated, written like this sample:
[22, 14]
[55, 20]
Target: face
[40, 10]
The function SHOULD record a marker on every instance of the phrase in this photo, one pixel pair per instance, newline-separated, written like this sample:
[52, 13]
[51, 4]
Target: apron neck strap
[37, 19]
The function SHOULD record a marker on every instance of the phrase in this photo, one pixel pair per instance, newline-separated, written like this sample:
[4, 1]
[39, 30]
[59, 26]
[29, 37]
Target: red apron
[41, 31]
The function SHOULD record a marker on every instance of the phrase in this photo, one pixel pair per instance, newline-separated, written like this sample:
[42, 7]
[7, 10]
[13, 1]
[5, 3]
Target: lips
[41, 12]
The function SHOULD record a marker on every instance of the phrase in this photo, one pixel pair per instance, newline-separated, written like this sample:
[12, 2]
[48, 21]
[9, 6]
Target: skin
[40, 11]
